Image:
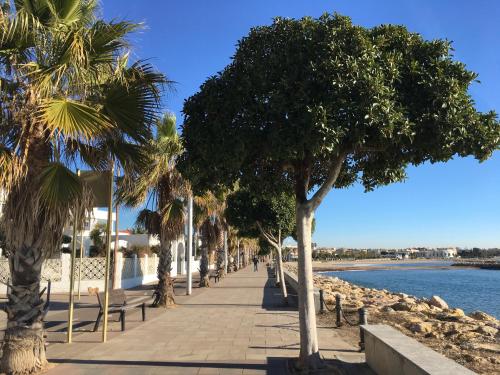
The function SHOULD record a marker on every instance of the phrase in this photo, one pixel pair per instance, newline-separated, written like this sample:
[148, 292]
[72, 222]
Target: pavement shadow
[332, 367]
[273, 299]
[272, 366]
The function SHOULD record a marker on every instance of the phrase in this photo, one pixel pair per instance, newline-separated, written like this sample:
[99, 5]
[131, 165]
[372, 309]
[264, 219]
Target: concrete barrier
[389, 352]
[293, 290]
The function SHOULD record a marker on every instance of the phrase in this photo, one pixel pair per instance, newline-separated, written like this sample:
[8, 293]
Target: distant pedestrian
[255, 264]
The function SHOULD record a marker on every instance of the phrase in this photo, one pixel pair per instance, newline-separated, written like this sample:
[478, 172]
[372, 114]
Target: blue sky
[457, 203]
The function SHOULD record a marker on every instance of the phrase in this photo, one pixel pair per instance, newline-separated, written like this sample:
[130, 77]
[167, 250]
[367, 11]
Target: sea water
[467, 288]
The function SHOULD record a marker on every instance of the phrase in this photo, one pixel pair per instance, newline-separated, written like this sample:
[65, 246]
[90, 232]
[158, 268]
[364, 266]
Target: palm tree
[209, 211]
[68, 98]
[163, 187]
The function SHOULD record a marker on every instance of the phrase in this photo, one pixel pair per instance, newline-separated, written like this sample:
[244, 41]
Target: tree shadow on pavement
[272, 366]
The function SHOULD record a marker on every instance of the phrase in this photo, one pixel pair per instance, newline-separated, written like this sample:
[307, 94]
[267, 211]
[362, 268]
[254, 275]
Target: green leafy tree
[307, 105]
[270, 217]
[160, 184]
[96, 235]
[68, 95]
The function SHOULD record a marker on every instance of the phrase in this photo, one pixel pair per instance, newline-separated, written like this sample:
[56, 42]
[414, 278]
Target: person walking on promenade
[255, 264]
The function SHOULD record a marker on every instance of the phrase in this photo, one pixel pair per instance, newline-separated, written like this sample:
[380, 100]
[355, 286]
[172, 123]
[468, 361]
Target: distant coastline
[483, 264]
[381, 264]
[407, 264]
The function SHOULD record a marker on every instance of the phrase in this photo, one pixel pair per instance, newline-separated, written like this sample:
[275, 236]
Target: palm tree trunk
[204, 263]
[23, 348]
[204, 269]
[221, 265]
[164, 293]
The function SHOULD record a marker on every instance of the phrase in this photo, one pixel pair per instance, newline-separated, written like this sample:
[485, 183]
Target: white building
[445, 253]
[127, 239]
[98, 217]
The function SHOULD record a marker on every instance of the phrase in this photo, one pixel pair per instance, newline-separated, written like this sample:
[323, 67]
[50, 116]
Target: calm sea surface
[468, 289]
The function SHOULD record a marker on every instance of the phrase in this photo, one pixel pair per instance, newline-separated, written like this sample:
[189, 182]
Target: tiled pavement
[235, 327]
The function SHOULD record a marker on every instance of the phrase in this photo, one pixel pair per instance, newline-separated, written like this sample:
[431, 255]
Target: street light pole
[189, 284]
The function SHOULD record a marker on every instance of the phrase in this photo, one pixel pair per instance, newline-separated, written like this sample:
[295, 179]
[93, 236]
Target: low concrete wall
[293, 290]
[389, 352]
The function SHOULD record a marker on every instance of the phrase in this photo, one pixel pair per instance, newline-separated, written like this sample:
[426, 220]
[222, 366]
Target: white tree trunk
[278, 279]
[309, 349]
[281, 274]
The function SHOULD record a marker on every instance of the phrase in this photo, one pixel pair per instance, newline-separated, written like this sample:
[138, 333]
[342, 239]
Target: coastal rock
[466, 320]
[403, 306]
[407, 300]
[434, 335]
[467, 336]
[434, 309]
[450, 328]
[467, 346]
[479, 315]
[458, 313]
[494, 360]
[487, 330]
[446, 330]
[438, 302]
[451, 315]
[449, 346]
[472, 358]
[421, 327]
[388, 309]
[421, 307]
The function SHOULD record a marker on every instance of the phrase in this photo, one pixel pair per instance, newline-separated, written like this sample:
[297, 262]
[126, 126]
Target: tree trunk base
[23, 351]
[164, 293]
[204, 282]
[313, 364]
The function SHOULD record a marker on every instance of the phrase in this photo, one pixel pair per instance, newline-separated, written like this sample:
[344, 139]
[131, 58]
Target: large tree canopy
[311, 104]
[247, 211]
[300, 95]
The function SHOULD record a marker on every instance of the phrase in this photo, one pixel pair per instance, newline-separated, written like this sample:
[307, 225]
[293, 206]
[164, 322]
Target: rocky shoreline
[473, 340]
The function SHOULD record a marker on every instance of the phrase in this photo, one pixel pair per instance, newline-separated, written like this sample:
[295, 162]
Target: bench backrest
[117, 297]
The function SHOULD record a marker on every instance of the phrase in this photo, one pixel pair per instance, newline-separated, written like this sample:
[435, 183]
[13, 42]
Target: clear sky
[457, 203]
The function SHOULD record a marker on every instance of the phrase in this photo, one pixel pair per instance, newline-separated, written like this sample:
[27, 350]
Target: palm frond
[166, 127]
[11, 169]
[93, 155]
[173, 218]
[150, 220]
[72, 118]
[59, 186]
[133, 102]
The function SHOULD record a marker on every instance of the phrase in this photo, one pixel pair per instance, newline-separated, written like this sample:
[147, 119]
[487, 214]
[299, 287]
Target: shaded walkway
[235, 327]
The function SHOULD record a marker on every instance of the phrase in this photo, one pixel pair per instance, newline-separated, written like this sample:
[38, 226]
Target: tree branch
[333, 174]
[269, 237]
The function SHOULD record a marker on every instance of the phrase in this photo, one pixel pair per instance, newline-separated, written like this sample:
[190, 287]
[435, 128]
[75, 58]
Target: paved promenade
[235, 327]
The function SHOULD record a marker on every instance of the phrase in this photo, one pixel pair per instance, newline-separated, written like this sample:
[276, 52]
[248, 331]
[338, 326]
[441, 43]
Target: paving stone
[234, 327]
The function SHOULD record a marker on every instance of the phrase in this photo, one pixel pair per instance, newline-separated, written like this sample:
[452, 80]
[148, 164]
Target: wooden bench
[214, 275]
[118, 304]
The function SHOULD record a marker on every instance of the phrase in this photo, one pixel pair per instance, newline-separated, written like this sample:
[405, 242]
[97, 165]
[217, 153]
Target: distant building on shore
[446, 253]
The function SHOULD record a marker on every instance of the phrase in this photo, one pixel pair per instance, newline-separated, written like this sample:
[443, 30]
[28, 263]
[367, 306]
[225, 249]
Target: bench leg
[143, 307]
[122, 319]
[97, 321]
